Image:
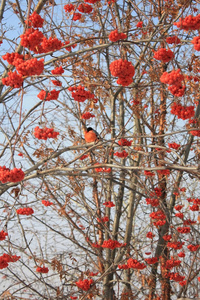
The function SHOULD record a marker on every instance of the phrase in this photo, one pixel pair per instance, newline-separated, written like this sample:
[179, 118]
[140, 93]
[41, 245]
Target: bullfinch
[91, 135]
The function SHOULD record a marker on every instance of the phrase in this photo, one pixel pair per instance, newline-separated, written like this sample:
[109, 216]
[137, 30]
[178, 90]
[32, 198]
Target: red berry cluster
[176, 90]
[46, 203]
[194, 207]
[178, 207]
[173, 40]
[25, 211]
[183, 229]
[80, 94]
[14, 175]
[84, 284]
[32, 39]
[159, 223]
[109, 204]
[124, 81]
[69, 7]
[194, 200]
[149, 173]
[14, 80]
[122, 154]
[96, 245]
[152, 202]
[189, 222]
[45, 133]
[115, 36]
[56, 82]
[11, 258]
[29, 67]
[174, 146]
[103, 220]
[175, 276]
[182, 112]
[134, 264]
[85, 8]
[58, 71]
[51, 44]
[150, 235]
[151, 261]
[195, 132]
[124, 70]
[135, 102]
[163, 54]
[159, 216]
[174, 79]
[11, 57]
[196, 43]
[47, 96]
[3, 235]
[182, 283]
[139, 24]
[124, 267]
[87, 116]
[83, 157]
[189, 23]
[157, 192]
[181, 254]
[175, 245]
[179, 215]
[193, 248]
[167, 237]
[108, 170]
[24, 67]
[42, 270]
[190, 77]
[112, 244]
[76, 16]
[38, 43]
[91, 1]
[124, 142]
[5, 259]
[35, 20]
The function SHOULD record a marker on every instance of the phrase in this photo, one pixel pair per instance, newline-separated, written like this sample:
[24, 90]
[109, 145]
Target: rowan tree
[116, 218]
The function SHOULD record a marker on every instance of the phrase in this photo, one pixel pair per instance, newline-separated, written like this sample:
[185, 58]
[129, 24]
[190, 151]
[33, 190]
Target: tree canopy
[99, 149]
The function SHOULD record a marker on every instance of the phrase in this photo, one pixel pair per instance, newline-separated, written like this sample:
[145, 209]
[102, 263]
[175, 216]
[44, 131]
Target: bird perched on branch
[91, 135]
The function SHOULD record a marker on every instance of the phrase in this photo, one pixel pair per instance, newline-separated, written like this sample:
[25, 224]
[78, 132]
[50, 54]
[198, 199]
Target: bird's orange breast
[90, 136]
